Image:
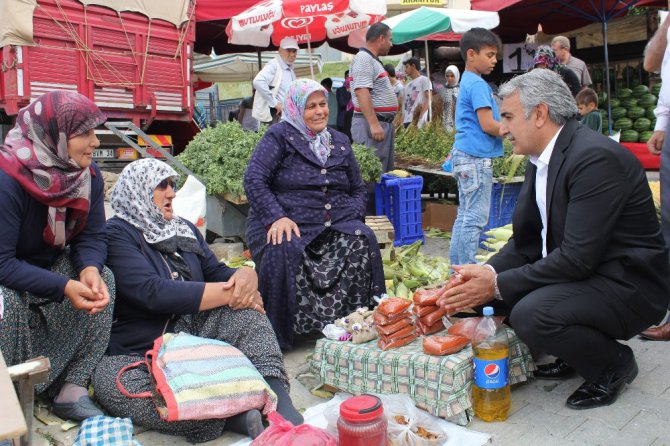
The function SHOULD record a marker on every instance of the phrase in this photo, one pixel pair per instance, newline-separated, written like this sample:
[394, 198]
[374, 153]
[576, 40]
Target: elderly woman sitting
[316, 258]
[53, 246]
[170, 281]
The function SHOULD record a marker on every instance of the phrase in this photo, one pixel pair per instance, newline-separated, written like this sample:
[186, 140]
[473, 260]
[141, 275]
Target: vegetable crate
[383, 230]
[503, 201]
[400, 200]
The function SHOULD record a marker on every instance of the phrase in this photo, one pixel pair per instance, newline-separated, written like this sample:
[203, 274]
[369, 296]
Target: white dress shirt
[263, 80]
[662, 110]
[542, 164]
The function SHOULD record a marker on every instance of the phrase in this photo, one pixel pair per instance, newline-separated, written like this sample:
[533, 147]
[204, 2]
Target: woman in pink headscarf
[54, 290]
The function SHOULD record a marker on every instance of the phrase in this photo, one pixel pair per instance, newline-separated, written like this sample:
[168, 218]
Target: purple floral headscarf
[545, 55]
[294, 109]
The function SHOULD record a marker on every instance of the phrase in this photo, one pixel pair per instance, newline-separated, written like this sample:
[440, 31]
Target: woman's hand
[90, 293]
[280, 228]
[244, 286]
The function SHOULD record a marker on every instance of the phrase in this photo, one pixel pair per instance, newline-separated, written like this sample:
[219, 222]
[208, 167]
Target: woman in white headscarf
[170, 281]
[449, 95]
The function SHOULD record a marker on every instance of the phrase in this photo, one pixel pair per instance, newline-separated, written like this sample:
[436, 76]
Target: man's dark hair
[327, 83]
[476, 39]
[413, 61]
[587, 96]
[346, 74]
[390, 69]
[376, 30]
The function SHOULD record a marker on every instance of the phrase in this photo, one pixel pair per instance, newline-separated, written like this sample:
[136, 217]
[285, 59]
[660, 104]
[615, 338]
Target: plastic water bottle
[490, 392]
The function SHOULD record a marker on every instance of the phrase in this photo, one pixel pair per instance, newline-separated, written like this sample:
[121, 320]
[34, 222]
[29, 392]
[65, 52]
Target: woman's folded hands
[244, 287]
[89, 293]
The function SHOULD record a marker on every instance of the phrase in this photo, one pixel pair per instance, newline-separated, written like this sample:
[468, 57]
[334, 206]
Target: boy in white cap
[272, 82]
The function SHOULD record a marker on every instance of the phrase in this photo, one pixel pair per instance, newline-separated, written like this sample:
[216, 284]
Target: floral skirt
[333, 280]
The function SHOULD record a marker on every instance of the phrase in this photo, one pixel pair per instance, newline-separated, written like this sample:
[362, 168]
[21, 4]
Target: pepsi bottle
[491, 393]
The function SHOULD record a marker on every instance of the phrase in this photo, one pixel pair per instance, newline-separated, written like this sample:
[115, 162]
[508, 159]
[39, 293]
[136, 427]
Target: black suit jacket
[601, 221]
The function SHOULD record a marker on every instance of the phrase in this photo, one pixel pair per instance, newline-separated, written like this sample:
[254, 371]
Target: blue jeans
[474, 177]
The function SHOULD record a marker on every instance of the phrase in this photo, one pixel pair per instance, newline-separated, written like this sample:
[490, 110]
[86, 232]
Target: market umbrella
[423, 22]
[521, 17]
[307, 21]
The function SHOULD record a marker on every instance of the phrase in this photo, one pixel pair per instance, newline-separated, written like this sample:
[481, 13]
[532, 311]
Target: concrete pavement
[641, 416]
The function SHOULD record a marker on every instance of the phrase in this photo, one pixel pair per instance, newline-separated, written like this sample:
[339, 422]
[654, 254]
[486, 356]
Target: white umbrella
[240, 67]
[421, 23]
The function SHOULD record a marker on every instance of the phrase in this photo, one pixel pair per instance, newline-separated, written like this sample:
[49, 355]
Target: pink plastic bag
[284, 433]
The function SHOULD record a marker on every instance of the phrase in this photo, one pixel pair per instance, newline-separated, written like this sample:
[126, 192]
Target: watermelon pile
[632, 112]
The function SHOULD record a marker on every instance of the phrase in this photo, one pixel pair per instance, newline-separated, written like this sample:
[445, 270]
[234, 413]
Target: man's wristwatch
[497, 295]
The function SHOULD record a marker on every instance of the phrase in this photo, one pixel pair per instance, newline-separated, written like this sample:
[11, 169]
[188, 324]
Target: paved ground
[539, 416]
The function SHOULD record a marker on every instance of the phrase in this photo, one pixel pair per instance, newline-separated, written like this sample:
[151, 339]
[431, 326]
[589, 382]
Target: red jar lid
[361, 408]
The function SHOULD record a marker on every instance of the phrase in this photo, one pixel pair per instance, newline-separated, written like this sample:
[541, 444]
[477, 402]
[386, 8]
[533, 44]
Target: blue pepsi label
[490, 374]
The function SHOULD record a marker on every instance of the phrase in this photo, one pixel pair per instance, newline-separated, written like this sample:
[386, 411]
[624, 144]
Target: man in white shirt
[415, 92]
[561, 46]
[657, 58]
[587, 265]
[279, 70]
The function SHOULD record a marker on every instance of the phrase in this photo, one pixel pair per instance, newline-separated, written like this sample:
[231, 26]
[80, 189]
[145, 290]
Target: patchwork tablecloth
[438, 384]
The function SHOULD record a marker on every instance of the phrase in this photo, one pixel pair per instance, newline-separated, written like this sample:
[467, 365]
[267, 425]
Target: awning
[208, 10]
[242, 67]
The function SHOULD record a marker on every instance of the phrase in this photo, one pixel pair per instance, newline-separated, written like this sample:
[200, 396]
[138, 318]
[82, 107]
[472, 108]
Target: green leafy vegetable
[219, 156]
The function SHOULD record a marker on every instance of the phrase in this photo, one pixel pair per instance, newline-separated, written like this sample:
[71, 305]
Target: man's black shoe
[606, 390]
[558, 369]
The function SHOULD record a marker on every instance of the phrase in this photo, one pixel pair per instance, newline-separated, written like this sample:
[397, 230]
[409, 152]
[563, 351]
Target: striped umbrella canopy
[422, 22]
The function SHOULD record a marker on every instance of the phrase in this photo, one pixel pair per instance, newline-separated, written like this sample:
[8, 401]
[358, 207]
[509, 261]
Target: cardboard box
[441, 215]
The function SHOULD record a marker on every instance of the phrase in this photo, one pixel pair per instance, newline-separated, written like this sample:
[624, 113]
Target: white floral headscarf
[132, 201]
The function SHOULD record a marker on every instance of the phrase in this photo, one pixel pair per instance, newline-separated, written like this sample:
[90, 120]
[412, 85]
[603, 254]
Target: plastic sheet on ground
[456, 435]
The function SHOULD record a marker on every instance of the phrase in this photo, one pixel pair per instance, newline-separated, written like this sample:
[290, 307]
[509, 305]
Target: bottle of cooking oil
[491, 392]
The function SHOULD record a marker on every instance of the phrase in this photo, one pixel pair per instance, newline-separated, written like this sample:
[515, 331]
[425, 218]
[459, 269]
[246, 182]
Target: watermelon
[644, 136]
[618, 112]
[624, 93]
[602, 97]
[647, 100]
[614, 102]
[640, 90]
[635, 112]
[598, 75]
[650, 113]
[629, 136]
[642, 124]
[629, 102]
[623, 124]
[656, 89]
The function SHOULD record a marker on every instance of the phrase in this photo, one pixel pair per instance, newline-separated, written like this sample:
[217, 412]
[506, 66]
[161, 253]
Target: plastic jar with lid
[362, 422]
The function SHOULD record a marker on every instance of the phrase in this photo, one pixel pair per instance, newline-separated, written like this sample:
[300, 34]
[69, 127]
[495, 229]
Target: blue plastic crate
[400, 200]
[503, 200]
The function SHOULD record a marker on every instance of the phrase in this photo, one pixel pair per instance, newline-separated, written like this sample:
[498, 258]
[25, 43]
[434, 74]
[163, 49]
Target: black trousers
[578, 322]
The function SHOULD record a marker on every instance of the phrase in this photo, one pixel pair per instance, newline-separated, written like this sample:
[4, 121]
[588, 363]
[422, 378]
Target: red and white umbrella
[305, 20]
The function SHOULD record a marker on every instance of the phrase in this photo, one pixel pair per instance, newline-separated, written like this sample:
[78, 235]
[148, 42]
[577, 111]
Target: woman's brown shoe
[660, 333]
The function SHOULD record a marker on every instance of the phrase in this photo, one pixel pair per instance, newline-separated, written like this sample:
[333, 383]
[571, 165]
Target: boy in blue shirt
[476, 142]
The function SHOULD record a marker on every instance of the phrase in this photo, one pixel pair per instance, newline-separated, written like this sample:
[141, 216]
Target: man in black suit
[587, 264]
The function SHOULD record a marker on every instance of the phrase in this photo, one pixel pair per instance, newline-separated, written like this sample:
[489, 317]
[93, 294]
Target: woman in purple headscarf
[316, 259]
